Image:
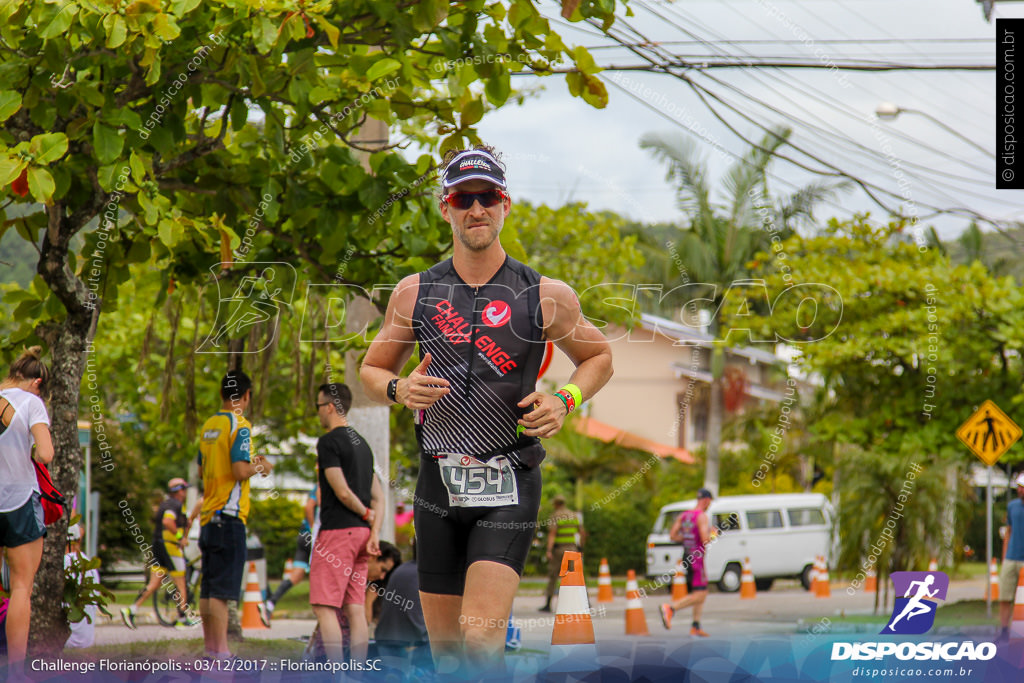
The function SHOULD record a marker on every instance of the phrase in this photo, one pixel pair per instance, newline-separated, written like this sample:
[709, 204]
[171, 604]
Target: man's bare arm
[390, 350]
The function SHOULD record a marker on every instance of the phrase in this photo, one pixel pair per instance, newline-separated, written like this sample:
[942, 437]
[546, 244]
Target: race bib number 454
[472, 483]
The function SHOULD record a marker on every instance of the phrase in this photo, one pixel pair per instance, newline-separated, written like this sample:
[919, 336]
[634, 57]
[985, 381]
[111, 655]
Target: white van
[782, 534]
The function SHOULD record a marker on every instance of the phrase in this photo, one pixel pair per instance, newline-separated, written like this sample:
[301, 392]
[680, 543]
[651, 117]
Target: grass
[963, 613]
[187, 649]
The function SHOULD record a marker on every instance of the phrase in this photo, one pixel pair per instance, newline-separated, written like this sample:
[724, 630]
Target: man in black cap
[481, 320]
[693, 530]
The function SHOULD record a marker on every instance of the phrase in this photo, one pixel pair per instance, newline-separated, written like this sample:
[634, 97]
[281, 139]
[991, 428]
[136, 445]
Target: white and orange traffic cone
[1017, 625]
[824, 583]
[289, 565]
[573, 625]
[748, 591]
[933, 565]
[993, 580]
[679, 582]
[252, 600]
[636, 622]
[572, 638]
[604, 582]
[871, 582]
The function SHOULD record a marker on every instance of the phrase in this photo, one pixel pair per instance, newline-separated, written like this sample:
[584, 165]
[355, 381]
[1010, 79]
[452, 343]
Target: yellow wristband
[575, 392]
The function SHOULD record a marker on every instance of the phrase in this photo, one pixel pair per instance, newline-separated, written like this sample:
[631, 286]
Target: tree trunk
[715, 414]
[66, 341]
[370, 419]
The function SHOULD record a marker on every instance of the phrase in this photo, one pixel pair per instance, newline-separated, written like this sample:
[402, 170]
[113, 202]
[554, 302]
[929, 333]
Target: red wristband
[366, 515]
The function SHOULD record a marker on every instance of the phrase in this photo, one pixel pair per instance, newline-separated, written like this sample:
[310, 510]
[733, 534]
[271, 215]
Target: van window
[726, 521]
[664, 523]
[764, 519]
[805, 516]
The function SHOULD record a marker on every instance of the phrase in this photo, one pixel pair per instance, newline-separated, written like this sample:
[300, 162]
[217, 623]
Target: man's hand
[262, 465]
[373, 545]
[419, 390]
[547, 416]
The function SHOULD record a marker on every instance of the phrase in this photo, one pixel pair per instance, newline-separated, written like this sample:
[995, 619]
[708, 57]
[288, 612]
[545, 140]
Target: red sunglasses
[464, 200]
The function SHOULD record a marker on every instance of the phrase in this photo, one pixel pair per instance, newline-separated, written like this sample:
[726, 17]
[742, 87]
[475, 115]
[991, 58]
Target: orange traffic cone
[871, 582]
[933, 565]
[824, 586]
[1017, 626]
[748, 590]
[604, 582]
[572, 623]
[289, 565]
[993, 580]
[679, 582]
[251, 601]
[636, 622]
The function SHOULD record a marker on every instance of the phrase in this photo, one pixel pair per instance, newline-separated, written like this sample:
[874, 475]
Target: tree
[201, 133]
[908, 345]
[721, 238]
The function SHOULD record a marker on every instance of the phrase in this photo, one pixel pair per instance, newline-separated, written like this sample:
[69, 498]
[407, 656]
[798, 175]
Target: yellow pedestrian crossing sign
[989, 432]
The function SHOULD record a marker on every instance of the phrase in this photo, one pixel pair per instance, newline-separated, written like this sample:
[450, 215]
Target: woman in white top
[23, 423]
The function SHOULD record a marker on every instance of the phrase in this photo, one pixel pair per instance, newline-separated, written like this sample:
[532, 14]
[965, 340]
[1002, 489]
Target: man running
[481, 319]
[169, 540]
[693, 530]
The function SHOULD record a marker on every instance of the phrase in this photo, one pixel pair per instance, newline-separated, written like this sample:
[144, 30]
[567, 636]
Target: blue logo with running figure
[914, 613]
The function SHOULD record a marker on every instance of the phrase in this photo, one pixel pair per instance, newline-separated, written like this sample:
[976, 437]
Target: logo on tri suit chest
[497, 314]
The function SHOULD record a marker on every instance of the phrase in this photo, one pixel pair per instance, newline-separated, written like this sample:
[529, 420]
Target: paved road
[787, 609]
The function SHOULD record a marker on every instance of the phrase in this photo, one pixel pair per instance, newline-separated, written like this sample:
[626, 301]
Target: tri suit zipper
[472, 339]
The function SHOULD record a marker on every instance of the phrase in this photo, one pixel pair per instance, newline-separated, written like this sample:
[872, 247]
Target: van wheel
[806, 575]
[730, 581]
[763, 584]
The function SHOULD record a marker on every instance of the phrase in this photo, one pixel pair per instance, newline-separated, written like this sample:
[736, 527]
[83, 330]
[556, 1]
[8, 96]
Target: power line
[842, 109]
[868, 187]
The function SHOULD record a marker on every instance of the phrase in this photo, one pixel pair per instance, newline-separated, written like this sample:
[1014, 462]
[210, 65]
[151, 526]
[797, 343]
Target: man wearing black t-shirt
[350, 517]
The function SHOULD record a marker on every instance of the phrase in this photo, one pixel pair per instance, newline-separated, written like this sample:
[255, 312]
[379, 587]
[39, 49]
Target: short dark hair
[389, 550]
[339, 394]
[234, 385]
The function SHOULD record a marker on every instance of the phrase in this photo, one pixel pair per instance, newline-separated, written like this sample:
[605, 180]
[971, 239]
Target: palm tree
[722, 236]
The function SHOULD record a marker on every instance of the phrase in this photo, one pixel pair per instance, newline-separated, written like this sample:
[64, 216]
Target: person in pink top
[693, 530]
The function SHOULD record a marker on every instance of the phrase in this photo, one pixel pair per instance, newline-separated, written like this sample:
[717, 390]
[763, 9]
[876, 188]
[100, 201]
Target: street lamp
[887, 111]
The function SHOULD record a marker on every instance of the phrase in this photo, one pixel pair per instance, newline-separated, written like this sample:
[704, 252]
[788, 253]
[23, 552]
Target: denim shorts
[222, 544]
[23, 525]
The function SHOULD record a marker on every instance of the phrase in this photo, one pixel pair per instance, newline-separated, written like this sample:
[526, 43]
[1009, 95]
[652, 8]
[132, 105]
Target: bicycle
[166, 606]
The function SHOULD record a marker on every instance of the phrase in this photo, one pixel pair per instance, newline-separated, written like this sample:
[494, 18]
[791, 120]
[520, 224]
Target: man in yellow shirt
[225, 465]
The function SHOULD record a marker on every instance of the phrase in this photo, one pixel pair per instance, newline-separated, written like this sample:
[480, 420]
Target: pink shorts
[337, 570]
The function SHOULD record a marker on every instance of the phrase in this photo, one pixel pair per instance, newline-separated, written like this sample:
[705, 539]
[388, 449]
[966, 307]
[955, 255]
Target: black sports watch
[393, 390]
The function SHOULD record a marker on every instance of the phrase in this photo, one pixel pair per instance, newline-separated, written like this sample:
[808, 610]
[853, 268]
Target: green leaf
[383, 67]
[498, 88]
[107, 143]
[10, 103]
[170, 232]
[332, 31]
[164, 27]
[472, 112]
[48, 148]
[60, 23]
[117, 32]
[138, 168]
[183, 7]
[40, 184]
[10, 169]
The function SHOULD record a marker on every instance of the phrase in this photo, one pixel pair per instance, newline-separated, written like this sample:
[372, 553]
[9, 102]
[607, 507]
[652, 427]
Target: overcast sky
[559, 149]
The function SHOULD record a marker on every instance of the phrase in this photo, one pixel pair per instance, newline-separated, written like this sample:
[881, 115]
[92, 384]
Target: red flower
[20, 184]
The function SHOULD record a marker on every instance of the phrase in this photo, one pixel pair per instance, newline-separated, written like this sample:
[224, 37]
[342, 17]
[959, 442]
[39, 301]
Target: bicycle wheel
[165, 605]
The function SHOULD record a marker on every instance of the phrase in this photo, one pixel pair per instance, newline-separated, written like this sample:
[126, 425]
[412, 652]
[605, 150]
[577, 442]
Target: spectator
[24, 435]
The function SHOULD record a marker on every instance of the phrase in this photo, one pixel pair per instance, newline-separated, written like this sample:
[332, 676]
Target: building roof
[696, 337]
[609, 434]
